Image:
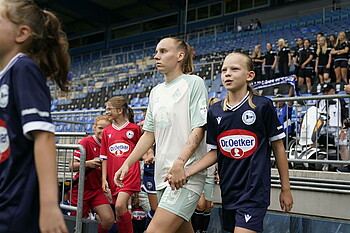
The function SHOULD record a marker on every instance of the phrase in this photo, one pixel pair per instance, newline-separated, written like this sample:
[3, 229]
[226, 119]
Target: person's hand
[333, 51]
[328, 66]
[316, 70]
[177, 176]
[303, 66]
[286, 200]
[288, 64]
[150, 157]
[347, 89]
[120, 174]
[217, 177]
[263, 69]
[105, 186]
[272, 67]
[51, 220]
[94, 163]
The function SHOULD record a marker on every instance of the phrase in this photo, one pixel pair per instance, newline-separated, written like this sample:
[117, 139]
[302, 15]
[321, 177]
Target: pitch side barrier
[65, 177]
[303, 145]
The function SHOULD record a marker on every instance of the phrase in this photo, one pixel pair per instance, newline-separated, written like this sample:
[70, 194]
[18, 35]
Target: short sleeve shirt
[175, 109]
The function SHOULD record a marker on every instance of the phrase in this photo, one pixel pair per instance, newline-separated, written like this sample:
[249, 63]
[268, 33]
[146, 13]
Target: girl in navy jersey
[323, 61]
[32, 49]
[283, 58]
[340, 55]
[94, 197]
[242, 130]
[118, 141]
[258, 61]
[305, 58]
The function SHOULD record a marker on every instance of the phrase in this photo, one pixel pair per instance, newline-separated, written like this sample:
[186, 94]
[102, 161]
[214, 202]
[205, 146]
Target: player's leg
[124, 221]
[175, 207]
[106, 217]
[197, 217]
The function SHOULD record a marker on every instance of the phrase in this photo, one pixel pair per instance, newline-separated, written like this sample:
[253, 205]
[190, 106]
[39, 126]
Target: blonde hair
[212, 100]
[339, 42]
[283, 43]
[102, 118]
[47, 44]
[250, 67]
[322, 48]
[256, 54]
[187, 62]
[120, 102]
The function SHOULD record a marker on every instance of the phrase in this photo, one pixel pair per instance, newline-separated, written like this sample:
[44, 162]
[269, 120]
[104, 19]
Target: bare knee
[107, 222]
[120, 208]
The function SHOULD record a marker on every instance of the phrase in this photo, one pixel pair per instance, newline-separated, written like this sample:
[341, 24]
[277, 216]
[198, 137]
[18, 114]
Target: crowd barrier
[65, 178]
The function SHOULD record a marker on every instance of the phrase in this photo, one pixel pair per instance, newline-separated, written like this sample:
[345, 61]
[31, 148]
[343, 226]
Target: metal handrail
[79, 207]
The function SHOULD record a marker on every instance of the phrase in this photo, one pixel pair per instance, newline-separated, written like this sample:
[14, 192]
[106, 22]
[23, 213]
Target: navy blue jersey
[344, 56]
[24, 107]
[269, 57]
[242, 138]
[283, 54]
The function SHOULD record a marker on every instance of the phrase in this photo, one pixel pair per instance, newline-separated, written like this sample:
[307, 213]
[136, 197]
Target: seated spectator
[336, 112]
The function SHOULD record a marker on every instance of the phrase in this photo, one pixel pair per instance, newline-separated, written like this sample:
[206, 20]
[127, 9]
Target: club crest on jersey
[4, 142]
[130, 134]
[4, 95]
[248, 117]
[119, 148]
[237, 143]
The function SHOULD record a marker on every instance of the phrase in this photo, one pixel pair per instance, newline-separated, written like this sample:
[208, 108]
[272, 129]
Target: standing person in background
[201, 216]
[33, 48]
[323, 61]
[243, 130]
[300, 45]
[269, 64]
[258, 61]
[284, 58]
[306, 55]
[118, 141]
[332, 40]
[340, 55]
[175, 120]
[94, 197]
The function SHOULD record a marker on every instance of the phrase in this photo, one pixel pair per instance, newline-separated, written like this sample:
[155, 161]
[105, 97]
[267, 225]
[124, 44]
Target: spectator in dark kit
[270, 60]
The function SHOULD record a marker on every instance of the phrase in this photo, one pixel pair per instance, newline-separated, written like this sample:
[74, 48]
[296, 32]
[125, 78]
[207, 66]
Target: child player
[242, 130]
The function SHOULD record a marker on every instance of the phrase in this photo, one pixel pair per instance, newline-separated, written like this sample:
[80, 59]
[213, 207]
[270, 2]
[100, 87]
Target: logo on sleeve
[237, 143]
[130, 134]
[119, 148]
[248, 117]
[4, 142]
[4, 95]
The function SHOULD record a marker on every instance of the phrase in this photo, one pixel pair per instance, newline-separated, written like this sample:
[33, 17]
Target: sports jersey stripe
[237, 106]
[97, 141]
[212, 147]
[37, 125]
[121, 127]
[277, 137]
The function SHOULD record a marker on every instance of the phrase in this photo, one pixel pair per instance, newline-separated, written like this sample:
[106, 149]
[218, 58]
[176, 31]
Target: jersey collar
[121, 127]
[237, 106]
[11, 63]
[97, 141]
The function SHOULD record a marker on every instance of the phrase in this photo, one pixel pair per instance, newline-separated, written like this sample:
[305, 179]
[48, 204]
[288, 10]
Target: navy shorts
[322, 70]
[148, 184]
[303, 73]
[341, 64]
[248, 218]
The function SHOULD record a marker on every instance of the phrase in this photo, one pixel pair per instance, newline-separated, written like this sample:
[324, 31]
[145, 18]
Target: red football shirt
[92, 147]
[117, 145]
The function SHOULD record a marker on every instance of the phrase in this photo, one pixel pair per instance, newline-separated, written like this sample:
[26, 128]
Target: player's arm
[146, 141]
[177, 171]
[289, 59]
[93, 163]
[286, 199]
[274, 62]
[51, 219]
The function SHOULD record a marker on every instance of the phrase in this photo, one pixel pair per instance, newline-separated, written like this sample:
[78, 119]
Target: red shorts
[92, 198]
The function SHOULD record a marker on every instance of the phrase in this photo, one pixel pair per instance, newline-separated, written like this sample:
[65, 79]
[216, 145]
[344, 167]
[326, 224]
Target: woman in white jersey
[175, 120]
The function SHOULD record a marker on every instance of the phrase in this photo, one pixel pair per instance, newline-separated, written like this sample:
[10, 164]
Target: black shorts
[248, 218]
[341, 64]
[322, 69]
[303, 73]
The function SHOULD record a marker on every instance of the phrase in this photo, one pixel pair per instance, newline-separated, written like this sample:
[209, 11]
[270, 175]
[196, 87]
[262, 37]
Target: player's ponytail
[187, 62]
[130, 114]
[47, 44]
